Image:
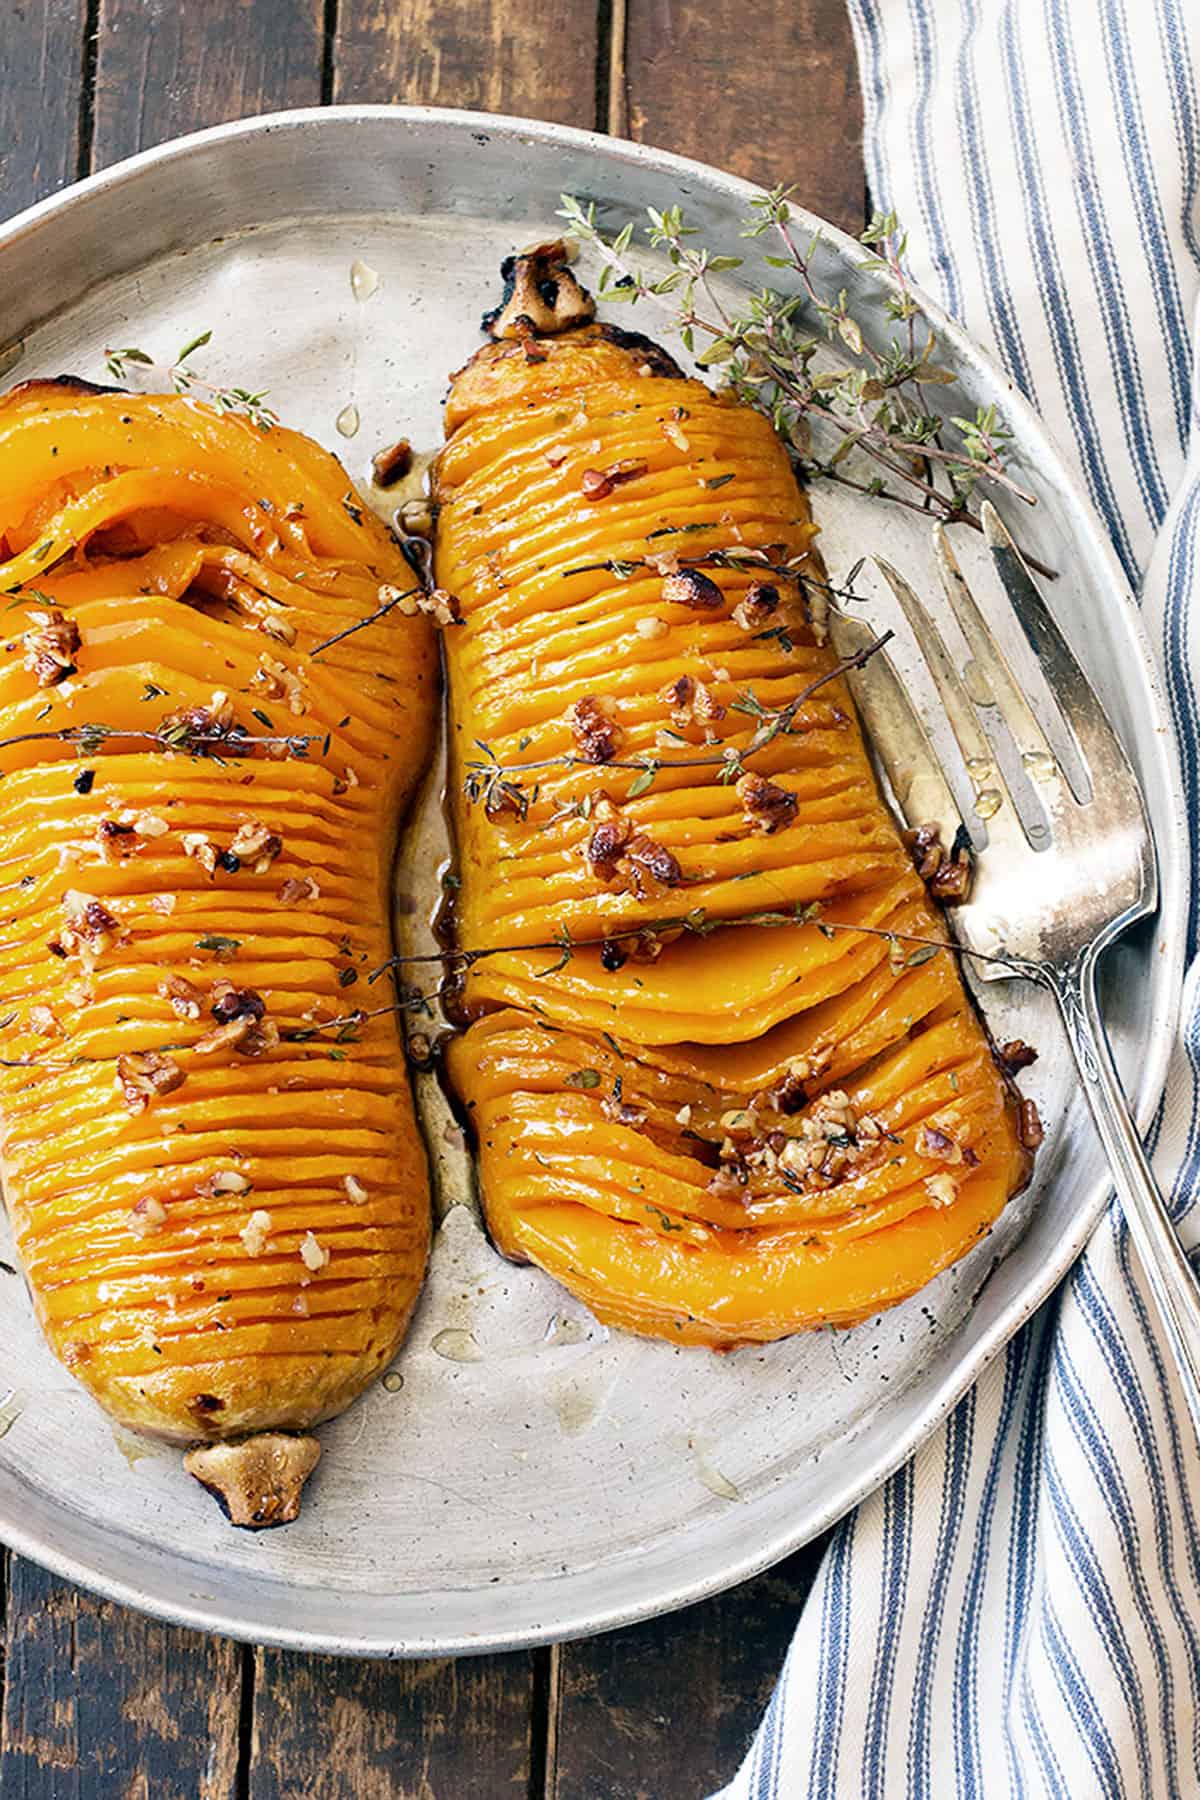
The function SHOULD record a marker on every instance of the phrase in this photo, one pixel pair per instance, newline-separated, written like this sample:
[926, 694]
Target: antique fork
[1067, 862]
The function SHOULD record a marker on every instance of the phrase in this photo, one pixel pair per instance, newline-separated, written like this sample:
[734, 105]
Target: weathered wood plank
[163, 69]
[41, 81]
[536, 58]
[669, 1707]
[100, 1702]
[336, 1730]
[767, 91]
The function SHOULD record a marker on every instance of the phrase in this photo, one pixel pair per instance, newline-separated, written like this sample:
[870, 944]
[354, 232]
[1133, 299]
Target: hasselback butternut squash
[209, 1154]
[722, 1088]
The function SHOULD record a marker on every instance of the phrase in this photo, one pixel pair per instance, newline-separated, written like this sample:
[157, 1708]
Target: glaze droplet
[347, 421]
[457, 1346]
[392, 1382]
[364, 281]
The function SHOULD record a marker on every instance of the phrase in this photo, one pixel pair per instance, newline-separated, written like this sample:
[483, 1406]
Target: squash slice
[722, 1086]
[217, 1189]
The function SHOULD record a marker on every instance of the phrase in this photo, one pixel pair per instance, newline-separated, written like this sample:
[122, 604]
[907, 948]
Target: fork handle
[1167, 1269]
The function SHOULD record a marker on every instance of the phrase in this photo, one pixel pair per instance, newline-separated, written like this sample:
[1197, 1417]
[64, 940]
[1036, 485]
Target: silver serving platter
[530, 1475]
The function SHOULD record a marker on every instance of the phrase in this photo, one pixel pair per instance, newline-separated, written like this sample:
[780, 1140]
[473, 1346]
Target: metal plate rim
[51, 1545]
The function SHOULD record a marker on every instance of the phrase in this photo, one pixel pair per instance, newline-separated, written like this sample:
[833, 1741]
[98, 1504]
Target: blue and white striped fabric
[1018, 1611]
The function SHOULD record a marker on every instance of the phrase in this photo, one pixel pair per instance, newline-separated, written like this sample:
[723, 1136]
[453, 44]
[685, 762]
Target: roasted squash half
[722, 1086]
[216, 1184]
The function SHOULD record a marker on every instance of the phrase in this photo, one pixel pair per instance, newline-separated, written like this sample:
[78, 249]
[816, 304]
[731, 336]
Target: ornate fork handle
[1172, 1281]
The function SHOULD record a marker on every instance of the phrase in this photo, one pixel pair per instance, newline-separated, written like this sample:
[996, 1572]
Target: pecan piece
[767, 806]
[392, 463]
[596, 734]
[690, 587]
[937, 1146]
[649, 868]
[606, 845]
[598, 484]
[255, 843]
[50, 647]
[946, 876]
[1030, 1129]
[142, 1075]
[1015, 1056]
[760, 600]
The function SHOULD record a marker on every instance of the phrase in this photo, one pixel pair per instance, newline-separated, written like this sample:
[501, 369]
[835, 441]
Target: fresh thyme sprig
[172, 734]
[770, 356]
[498, 785]
[699, 924]
[185, 380]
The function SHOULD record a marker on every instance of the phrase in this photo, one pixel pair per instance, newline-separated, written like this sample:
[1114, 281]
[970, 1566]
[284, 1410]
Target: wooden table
[100, 1702]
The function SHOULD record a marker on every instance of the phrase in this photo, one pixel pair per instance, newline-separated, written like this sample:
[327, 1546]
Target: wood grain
[668, 1708]
[41, 79]
[100, 1702]
[536, 58]
[164, 67]
[335, 1730]
[767, 90]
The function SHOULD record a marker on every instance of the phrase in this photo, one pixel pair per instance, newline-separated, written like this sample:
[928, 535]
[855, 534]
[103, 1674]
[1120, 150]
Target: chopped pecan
[313, 1253]
[648, 868]
[90, 926]
[295, 889]
[760, 600]
[767, 806]
[1016, 1055]
[43, 1021]
[281, 631]
[598, 484]
[257, 844]
[142, 1075]
[1030, 1129]
[690, 587]
[202, 848]
[50, 647]
[195, 727]
[392, 462]
[942, 1189]
[947, 876]
[937, 1146]
[184, 998]
[255, 1232]
[443, 607]
[147, 1217]
[607, 842]
[628, 862]
[230, 1002]
[691, 702]
[789, 1093]
[279, 682]
[230, 1036]
[596, 734]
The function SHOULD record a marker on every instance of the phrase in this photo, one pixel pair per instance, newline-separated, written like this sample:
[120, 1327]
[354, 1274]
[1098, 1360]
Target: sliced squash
[722, 1087]
[216, 1184]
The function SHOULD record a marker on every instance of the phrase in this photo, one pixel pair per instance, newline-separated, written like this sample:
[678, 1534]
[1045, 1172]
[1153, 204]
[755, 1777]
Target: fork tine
[1096, 744]
[896, 735]
[1021, 746]
[987, 782]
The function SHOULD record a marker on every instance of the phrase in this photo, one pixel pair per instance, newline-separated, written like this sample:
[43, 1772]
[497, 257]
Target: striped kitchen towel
[1017, 1612]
